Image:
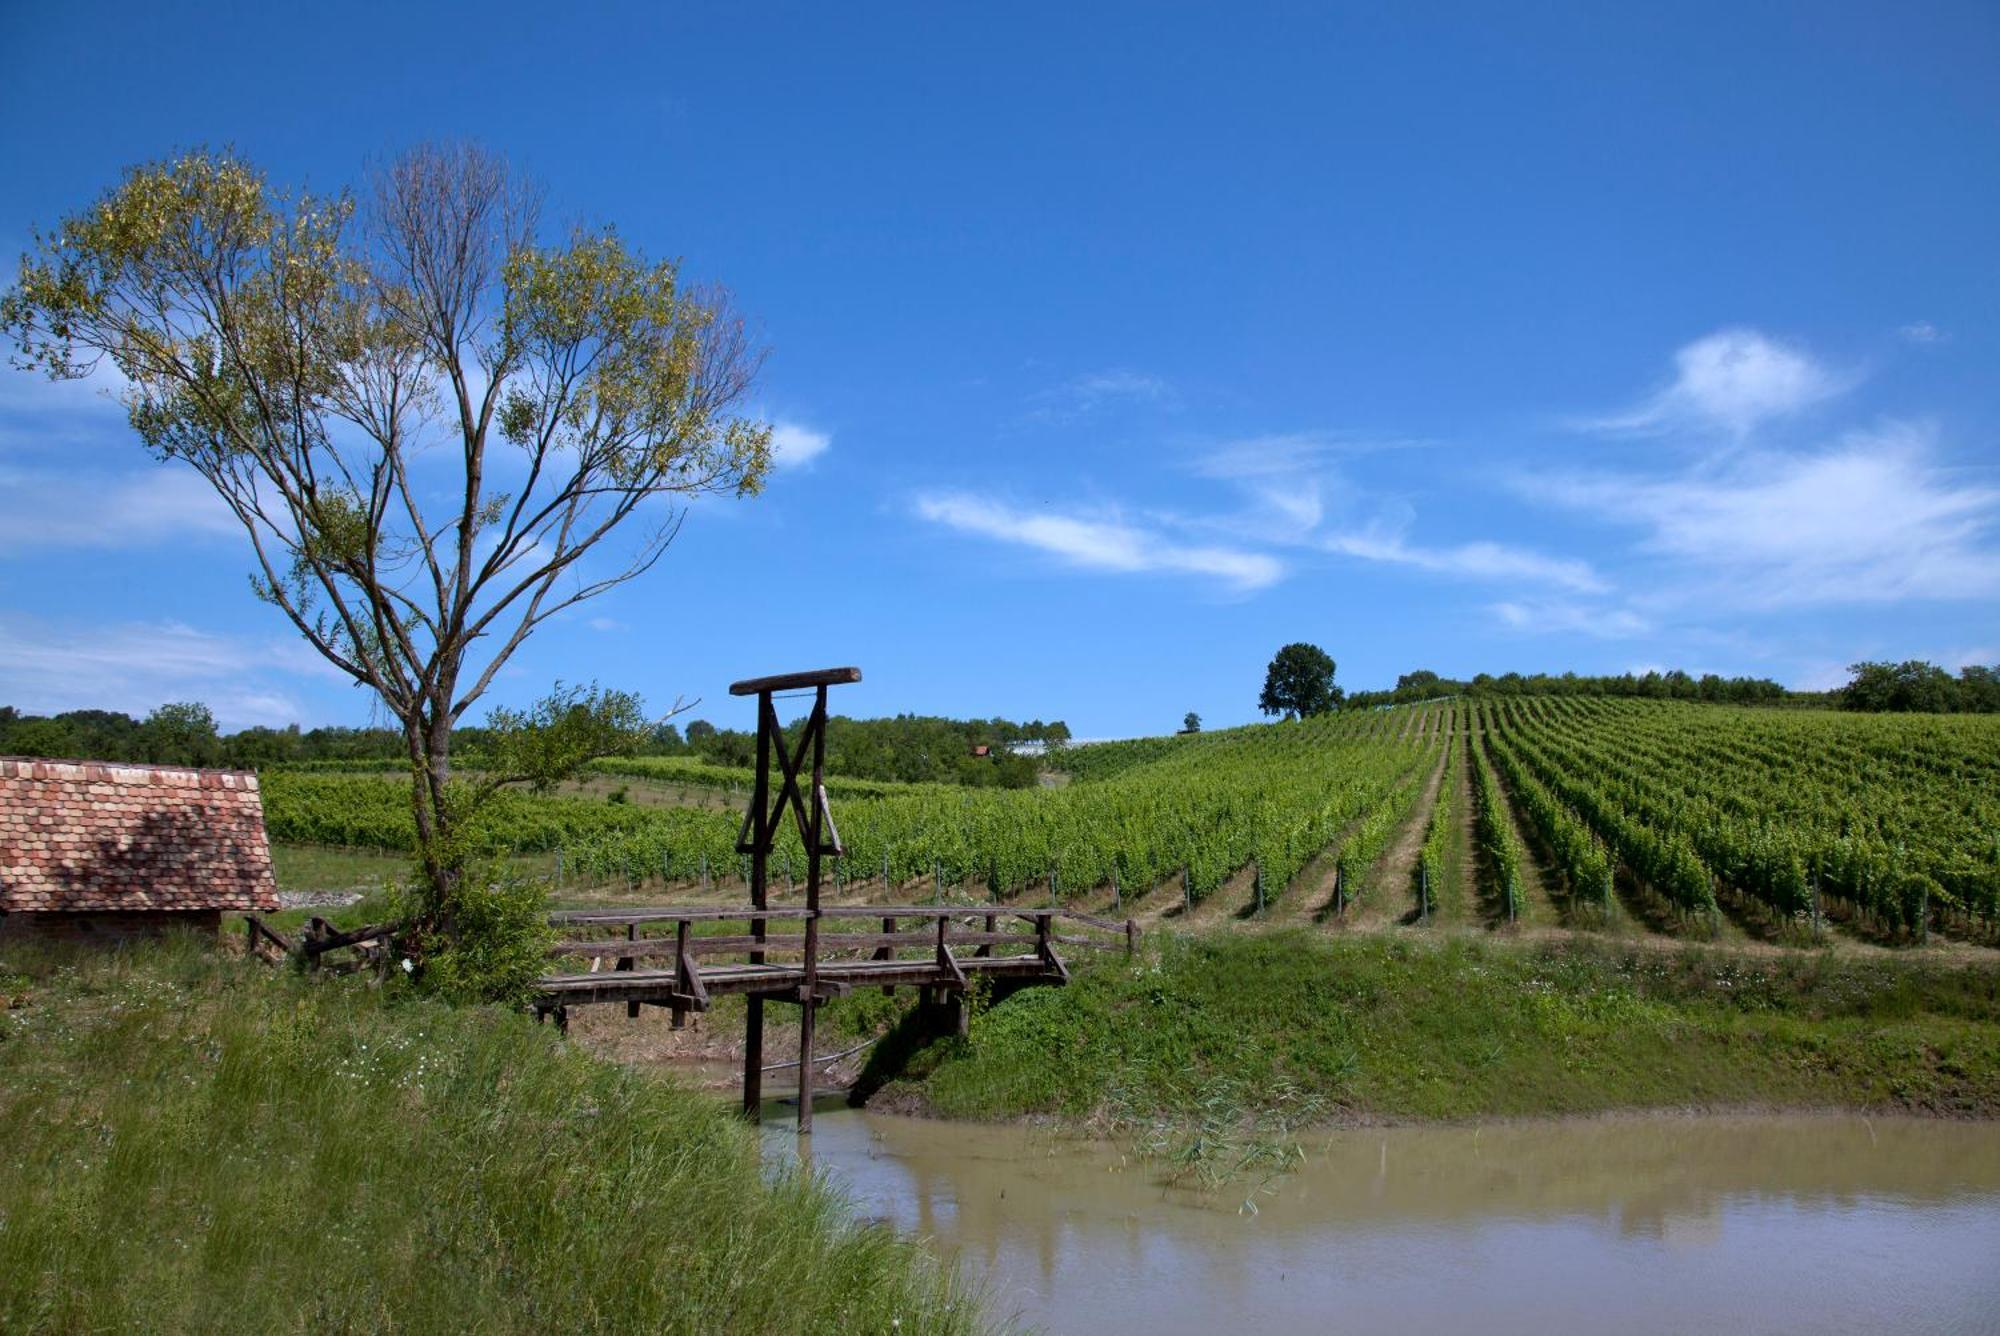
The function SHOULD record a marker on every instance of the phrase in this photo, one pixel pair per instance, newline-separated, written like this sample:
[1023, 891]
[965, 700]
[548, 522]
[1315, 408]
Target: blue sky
[1112, 348]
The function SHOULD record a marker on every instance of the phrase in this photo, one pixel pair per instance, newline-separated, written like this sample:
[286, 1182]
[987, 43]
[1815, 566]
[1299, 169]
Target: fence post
[937, 880]
[559, 862]
[1339, 888]
[704, 874]
[1423, 893]
[1117, 901]
[1187, 890]
[1257, 878]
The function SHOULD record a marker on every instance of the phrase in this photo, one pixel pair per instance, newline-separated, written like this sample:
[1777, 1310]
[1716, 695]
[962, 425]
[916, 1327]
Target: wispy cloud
[1872, 519]
[43, 509]
[1471, 561]
[794, 445]
[1921, 331]
[1286, 477]
[1734, 380]
[135, 666]
[1099, 542]
[1097, 391]
[1292, 454]
[1566, 617]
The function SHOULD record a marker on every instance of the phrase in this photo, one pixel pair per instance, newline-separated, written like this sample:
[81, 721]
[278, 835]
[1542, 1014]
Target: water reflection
[1648, 1224]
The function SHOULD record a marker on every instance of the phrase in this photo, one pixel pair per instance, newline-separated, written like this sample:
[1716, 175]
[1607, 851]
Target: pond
[1657, 1224]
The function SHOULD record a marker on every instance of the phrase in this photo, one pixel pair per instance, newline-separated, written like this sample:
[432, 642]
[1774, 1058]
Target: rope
[823, 1061]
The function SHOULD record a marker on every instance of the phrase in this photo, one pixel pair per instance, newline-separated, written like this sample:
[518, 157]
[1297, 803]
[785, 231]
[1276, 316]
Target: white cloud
[1095, 390]
[1282, 475]
[135, 666]
[1118, 383]
[1105, 544]
[1474, 561]
[1559, 617]
[793, 445]
[1292, 454]
[42, 509]
[606, 624]
[1872, 519]
[1734, 379]
[1921, 331]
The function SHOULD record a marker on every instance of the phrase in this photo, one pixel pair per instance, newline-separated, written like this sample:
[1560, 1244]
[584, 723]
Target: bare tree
[431, 421]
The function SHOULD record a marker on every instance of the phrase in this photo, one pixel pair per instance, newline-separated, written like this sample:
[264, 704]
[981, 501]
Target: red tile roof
[84, 835]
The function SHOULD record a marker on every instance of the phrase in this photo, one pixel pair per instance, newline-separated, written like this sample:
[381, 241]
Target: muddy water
[1787, 1224]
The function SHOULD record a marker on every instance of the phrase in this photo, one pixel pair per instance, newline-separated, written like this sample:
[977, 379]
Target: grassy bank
[200, 1143]
[1294, 1026]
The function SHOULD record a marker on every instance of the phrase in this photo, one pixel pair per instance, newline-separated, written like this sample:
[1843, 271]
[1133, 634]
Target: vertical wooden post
[887, 952]
[626, 963]
[681, 971]
[1131, 937]
[809, 995]
[753, 1005]
[992, 925]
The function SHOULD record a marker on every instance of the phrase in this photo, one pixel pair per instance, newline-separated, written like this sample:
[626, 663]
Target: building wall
[108, 926]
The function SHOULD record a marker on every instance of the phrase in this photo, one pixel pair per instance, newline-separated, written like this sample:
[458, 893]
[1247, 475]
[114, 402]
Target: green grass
[1365, 1029]
[198, 1143]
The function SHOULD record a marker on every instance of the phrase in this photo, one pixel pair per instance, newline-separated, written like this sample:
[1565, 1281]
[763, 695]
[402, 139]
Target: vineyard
[1597, 813]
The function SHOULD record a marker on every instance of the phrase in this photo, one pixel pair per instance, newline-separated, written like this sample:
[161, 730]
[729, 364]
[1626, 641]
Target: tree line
[911, 748]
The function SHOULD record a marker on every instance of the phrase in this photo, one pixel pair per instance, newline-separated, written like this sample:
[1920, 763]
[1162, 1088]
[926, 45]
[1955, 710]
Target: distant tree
[1190, 722]
[181, 733]
[40, 737]
[1422, 677]
[1917, 686]
[438, 425]
[699, 731]
[1299, 683]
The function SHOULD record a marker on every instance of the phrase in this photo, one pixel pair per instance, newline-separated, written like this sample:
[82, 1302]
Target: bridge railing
[941, 927]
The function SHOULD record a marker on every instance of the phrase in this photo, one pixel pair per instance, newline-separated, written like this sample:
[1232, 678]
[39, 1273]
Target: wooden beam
[817, 677]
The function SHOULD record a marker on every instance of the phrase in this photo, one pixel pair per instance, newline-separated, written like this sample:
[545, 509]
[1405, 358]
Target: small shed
[92, 850]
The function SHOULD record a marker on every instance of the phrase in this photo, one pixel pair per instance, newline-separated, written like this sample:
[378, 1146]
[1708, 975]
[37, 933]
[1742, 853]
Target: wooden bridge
[950, 946]
[682, 957]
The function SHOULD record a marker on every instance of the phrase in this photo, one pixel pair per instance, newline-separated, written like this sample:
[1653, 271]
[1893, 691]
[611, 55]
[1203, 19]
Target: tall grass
[200, 1144]
[1412, 1027]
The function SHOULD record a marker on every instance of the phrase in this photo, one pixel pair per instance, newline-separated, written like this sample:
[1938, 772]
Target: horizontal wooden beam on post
[817, 677]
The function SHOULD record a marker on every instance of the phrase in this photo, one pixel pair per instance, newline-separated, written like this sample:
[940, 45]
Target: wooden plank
[650, 947]
[815, 677]
[667, 914]
[1091, 920]
[924, 911]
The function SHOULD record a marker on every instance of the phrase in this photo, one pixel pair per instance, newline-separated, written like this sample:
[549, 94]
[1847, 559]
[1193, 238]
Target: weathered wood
[655, 947]
[816, 677]
[625, 963]
[693, 914]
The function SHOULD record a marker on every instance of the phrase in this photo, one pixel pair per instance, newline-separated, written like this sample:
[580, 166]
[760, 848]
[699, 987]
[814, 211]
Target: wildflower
[409, 966]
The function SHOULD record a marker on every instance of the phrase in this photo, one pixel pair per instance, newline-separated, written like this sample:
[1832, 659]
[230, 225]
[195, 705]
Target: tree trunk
[441, 854]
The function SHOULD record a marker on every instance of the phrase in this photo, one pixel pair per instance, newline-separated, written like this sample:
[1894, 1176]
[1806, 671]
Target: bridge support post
[753, 1057]
[758, 835]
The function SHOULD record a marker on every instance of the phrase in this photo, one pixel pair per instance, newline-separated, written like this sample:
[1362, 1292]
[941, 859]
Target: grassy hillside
[202, 1144]
[1299, 1026]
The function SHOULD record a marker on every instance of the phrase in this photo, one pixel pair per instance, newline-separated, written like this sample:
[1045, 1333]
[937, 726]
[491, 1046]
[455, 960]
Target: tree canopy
[1918, 686]
[438, 424]
[1299, 683]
